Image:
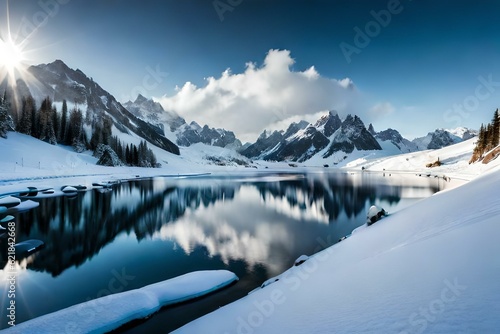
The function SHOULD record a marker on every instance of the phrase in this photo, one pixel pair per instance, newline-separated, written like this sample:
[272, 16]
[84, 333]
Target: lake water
[146, 231]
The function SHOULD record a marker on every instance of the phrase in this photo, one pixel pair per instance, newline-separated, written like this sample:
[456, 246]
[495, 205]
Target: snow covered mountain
[351, 135]
[393, 137]
[464, 133]
[441, 138]
[175, 127]
[59, 82]
[301, 141]
[332, 137]
[193, 133]
[153, 113]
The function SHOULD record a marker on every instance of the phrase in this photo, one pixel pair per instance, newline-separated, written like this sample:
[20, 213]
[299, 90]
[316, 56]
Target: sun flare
[11, 58]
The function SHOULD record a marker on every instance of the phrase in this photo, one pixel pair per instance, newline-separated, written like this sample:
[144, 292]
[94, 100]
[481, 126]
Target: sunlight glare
[11, 58]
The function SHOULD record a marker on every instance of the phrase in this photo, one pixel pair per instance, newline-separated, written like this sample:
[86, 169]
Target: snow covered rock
[374, 214]
[9, 201]
[23, 207]
[301, 259]
[126, 306]
[28, 247]
[6, 219]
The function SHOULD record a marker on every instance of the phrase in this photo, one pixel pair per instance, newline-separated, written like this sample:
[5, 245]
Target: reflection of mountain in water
[75, 230]
[328, 197]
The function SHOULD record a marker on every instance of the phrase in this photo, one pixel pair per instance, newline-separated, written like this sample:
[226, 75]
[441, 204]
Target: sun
[11, 59]
[11, 55]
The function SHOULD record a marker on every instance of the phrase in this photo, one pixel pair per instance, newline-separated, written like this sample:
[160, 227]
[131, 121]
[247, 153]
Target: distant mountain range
[302, 140]
[175, 127]
[330, 136]
[441, 138]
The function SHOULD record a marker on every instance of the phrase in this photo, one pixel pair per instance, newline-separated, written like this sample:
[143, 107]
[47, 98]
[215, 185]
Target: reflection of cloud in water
[253, 240]
[305, 210]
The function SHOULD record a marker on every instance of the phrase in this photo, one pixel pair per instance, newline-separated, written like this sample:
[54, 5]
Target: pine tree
[46, 125]
[489, 137]
[495, 130]
[107, 123]
[64, 119]
[4, 118]
[481, 143]
[34, 121]
[152, 158]
[76, 136]
[119, 150]
[12, 109]
[127, 155]
[135, 156]
[96, 138]
[56, 122]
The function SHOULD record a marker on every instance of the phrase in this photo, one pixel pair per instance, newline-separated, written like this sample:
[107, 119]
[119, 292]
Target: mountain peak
[333, 113]
[353, 121]
[58, 65]
[294, 127]
[328, 123]
[140, 99]
[372, 130]
[57, 62]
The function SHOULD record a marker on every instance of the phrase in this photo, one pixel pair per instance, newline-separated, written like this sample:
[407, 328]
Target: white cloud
[262, 97]
[382, 109]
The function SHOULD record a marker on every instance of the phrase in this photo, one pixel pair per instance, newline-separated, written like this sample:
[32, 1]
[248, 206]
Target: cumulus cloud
[262, 97]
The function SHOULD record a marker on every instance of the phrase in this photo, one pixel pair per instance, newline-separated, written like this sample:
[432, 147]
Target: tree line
[6, 122]
[488, 138]
[67, 128]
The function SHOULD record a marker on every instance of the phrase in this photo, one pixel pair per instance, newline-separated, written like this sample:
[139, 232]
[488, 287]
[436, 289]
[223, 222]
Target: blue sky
[428, 67]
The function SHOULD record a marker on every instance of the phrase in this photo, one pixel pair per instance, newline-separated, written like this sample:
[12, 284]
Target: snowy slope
[454, 159]
[432, 267]
[29, 161]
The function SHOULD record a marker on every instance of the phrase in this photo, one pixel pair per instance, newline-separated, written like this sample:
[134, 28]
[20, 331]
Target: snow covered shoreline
[112, 311]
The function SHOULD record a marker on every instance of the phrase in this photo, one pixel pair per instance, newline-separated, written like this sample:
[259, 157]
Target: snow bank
[432, 267]
[454, 160]
[110, 312]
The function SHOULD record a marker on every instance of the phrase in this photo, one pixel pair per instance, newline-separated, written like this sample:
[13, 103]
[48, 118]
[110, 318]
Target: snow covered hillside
[433, 267]
[31, 161]
[454, 162]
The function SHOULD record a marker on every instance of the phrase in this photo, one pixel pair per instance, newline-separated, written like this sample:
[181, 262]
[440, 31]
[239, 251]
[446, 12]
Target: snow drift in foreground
[432, 267]
[110, 312]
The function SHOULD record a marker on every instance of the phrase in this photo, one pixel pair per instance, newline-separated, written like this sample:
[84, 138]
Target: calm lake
[146, 231]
